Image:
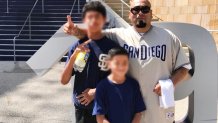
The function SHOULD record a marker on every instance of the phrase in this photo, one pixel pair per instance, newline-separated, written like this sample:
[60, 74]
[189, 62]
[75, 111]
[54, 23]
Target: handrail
[123, 2]
[28, 18]
[78, 5]
[71, 11]
[7, 6]
[157, 17]
[43, 6]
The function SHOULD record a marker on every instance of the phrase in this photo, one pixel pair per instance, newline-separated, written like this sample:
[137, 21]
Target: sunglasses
[144, 9]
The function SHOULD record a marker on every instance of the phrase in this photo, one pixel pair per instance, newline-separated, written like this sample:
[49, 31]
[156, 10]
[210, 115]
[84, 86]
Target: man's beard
[140, 23]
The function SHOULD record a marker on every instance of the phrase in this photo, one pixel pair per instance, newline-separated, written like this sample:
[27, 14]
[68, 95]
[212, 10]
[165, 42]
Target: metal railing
[29, 20]
[126, 4]
[7, 6]
[78, 6]
[157, 17]
[43, 6]
[122, 7]
[74, 3]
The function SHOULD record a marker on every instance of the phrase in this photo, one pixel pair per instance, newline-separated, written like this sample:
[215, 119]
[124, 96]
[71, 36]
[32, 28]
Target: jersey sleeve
[113, 33]
[99, 102]
[180, 59]
[139, 102]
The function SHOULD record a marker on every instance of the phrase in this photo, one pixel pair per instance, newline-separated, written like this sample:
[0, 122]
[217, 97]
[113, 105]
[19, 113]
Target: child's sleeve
[99, 103]
[139, 102]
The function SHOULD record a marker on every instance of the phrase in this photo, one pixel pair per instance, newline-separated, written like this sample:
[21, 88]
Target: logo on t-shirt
[103, 58]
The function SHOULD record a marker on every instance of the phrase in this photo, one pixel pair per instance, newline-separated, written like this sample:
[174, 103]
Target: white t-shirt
[154, 56]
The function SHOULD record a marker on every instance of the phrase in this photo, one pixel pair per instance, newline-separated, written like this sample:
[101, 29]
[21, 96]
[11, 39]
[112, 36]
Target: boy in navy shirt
[118, 98]
[85, 82]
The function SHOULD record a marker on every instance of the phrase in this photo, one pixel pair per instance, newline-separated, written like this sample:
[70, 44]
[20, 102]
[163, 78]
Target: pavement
[27, 98]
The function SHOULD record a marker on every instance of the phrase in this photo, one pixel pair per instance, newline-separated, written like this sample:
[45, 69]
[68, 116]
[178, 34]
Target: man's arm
[179, 75]
[180, 63]
[102, 119]
[176, 77]
[71, 29]
[137, 118]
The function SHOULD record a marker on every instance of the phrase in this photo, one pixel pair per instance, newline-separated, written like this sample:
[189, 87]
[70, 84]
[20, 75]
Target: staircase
[43, 25]
[122, 9]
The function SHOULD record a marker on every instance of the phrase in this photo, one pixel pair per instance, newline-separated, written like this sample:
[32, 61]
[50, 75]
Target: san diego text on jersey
[145, 52]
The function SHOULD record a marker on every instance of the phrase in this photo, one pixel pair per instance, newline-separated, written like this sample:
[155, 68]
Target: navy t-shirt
[118, 102]
[92, 73]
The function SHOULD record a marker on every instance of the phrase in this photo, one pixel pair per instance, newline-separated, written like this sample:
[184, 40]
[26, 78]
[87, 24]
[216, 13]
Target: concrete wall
[200, 12]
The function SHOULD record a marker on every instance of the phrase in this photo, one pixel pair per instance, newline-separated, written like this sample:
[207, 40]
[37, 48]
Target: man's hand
[87, 96]
[157, 89]
[69, 27]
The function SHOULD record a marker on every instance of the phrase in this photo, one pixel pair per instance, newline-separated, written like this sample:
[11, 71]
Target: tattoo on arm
[79, 33]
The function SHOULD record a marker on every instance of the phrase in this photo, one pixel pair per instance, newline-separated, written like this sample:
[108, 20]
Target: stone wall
[200, 12]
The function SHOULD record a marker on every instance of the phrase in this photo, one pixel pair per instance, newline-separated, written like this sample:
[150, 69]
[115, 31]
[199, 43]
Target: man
[155, 54]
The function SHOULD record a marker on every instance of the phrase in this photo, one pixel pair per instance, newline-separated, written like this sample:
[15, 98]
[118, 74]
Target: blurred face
[140, 12]
[119, 65]
[94, 21]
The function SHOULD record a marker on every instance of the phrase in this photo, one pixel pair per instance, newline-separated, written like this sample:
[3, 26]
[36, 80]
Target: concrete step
[44, 25]
[40, 10]
[118, 6]
[33, 22]
[115, 1]
[40, 14]
[18, 52]
[23, 41]
[20, 47]
[42, 18]
[25, 36]
[34, 27]
[11, 57]
[41, 32]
